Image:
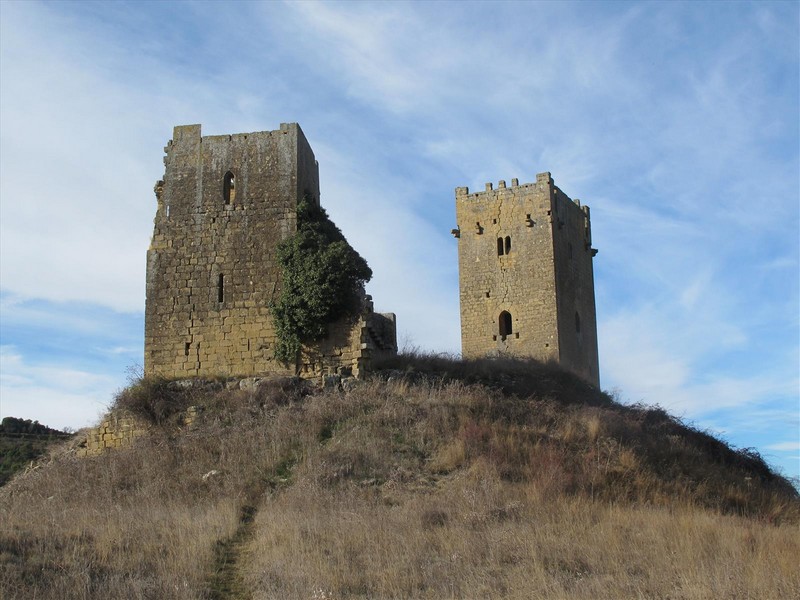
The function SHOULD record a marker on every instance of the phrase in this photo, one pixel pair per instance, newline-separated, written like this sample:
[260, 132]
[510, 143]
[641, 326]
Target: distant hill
[436, 478]
[23, 441]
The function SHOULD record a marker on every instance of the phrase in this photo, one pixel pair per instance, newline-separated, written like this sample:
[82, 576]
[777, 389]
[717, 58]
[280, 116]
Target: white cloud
[55, 396]
[414, 262]
[83, 126]
[792, 446]
[677, 357]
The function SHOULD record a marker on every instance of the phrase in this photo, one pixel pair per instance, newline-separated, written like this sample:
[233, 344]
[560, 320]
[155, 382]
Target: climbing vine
[322, 281]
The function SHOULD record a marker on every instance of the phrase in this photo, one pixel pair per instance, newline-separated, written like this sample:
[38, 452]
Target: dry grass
[477, 536]
[421, 487]
[105, 531]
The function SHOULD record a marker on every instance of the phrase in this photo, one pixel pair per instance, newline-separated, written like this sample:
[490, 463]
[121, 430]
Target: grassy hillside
[437, 479]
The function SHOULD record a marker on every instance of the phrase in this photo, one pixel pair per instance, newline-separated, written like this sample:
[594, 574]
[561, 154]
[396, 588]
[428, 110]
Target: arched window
[229, 188]
[500, 247]
[508, 244]
[577, 323]
[505, 324]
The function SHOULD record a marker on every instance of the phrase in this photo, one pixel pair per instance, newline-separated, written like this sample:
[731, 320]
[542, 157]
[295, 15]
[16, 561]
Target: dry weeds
[421, 487]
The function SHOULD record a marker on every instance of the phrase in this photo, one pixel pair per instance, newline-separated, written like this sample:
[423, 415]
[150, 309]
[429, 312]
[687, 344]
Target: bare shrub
[433, 518]
[153, 399]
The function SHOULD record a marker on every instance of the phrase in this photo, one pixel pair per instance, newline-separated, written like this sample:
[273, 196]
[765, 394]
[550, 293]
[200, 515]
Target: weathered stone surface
[525, 275]
[118, 430]
[224, 205]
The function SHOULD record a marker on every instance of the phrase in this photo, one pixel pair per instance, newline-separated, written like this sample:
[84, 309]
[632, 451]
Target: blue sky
[676, 122]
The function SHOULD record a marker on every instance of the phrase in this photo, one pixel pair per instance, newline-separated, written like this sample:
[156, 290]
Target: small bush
[434, 518]
[154, 400]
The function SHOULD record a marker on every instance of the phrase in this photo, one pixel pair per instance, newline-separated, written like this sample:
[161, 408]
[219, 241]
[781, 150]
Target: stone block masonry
[525, 275]
[224, 204]
[117, 430]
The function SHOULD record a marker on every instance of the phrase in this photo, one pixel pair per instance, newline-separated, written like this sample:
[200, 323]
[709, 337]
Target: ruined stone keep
[525, 275]
[224, 204]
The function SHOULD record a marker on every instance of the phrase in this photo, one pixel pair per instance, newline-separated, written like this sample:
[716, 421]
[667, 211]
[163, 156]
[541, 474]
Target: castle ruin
[224, 204]
[525, 275]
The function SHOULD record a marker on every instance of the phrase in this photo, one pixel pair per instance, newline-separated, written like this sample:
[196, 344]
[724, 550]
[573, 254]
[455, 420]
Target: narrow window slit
[221, 288]
[505, 323]
[229, 188]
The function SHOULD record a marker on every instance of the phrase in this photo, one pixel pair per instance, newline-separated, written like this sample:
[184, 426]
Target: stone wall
[117, 430]
[525, 272]
[351, 345]
[224, 205]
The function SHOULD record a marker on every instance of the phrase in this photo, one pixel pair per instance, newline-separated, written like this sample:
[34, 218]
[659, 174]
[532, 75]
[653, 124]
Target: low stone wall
[116, 431]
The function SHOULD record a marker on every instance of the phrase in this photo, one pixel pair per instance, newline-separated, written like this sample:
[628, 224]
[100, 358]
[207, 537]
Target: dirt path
[226, 582]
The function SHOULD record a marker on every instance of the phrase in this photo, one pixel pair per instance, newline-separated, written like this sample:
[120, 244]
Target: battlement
[541, 179]
[194, 132]
[544, 181]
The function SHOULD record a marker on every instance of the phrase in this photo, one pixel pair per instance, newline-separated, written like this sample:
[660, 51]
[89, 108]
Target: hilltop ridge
[435, 478]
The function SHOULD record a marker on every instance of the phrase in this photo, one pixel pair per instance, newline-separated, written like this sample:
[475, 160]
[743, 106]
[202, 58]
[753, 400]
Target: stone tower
[224, 204]
[525, 275]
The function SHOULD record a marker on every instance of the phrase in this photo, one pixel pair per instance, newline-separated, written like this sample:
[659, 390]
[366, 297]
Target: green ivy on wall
[322, 281]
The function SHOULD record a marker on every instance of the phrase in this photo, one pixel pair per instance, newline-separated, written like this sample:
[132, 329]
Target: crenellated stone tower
[224, 204]
[525, 275]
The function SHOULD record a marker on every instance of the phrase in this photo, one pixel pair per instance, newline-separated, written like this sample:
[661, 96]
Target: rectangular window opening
[186, 349]
[221, 288]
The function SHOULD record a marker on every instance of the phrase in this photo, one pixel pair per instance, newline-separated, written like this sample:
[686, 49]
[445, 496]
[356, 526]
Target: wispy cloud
[57, 396]
[792, 446]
